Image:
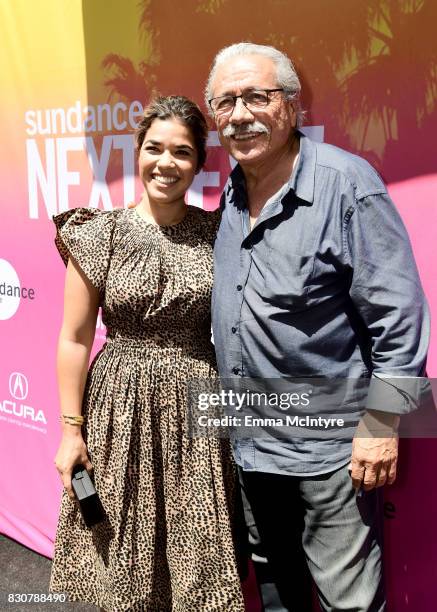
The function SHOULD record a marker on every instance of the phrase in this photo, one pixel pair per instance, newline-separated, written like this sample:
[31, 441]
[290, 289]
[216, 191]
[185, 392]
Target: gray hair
[285, 72]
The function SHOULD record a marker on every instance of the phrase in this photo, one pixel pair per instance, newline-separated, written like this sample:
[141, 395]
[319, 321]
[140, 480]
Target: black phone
[89, 502]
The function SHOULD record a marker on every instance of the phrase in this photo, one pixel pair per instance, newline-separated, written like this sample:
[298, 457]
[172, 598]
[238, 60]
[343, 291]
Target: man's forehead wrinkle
[244, 72]
[233, 78]
[235, 84]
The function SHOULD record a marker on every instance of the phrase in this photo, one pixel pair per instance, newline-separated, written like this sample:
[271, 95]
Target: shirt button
[236, 370]
[239, 287]
[233, 330]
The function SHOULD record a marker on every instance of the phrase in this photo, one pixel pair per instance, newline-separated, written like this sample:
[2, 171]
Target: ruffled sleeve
[86, 235]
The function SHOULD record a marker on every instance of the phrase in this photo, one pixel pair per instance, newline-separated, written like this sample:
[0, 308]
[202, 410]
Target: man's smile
[246, 135]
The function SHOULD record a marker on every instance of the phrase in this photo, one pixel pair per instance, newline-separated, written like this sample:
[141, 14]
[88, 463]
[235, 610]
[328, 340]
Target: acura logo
[18, 386]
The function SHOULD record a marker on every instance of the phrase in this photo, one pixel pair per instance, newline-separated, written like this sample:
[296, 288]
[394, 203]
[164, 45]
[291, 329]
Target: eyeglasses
[253, 99]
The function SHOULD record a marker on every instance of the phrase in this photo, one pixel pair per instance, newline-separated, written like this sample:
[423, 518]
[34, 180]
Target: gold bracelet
[72, 420]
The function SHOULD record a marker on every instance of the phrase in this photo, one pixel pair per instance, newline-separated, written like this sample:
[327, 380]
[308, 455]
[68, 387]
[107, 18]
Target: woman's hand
[72, 451]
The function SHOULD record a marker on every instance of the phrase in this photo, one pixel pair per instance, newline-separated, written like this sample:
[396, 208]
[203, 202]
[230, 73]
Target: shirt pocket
[286, 280]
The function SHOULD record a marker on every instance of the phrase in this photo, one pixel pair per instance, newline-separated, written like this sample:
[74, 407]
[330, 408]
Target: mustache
[245, 128]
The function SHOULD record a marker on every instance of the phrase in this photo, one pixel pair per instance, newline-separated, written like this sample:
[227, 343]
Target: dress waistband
[156, 344]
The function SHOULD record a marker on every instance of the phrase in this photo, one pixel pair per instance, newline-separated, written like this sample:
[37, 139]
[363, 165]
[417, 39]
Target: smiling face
[167, 161]
[251, 136]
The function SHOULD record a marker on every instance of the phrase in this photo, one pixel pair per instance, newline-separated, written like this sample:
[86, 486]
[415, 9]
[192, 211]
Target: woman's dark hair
[182, 109]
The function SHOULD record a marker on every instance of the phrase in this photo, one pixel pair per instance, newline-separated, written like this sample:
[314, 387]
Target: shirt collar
[303, 176]
[301, 180]
[236, 188]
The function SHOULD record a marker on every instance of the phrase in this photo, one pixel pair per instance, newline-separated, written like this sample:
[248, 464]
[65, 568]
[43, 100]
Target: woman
[166, 543]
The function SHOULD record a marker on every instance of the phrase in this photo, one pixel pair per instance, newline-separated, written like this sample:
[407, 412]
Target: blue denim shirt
[324, 284]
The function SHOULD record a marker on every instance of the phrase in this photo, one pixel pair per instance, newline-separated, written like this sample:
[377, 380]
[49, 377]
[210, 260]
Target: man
[314, 276]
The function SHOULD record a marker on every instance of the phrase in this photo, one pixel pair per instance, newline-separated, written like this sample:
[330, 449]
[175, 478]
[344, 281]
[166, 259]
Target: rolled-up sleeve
[387, 292]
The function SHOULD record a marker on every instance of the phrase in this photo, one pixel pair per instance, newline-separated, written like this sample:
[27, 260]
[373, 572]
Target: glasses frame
[235, 98]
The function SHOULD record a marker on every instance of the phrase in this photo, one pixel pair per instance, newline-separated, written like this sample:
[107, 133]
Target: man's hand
[375, 450]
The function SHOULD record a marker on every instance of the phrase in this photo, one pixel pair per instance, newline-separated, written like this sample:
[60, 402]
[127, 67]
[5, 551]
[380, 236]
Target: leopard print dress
[166, 543]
